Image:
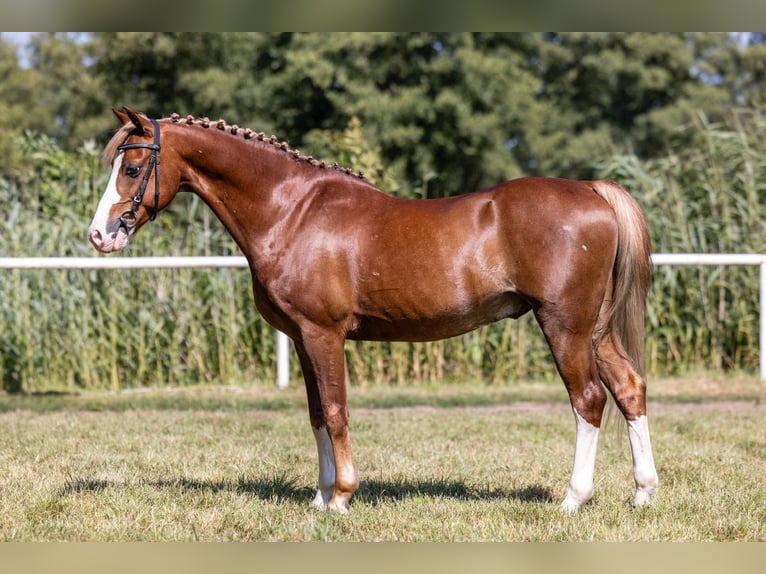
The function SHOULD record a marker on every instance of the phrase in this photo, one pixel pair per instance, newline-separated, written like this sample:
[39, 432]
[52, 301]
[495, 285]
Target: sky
[21, 39]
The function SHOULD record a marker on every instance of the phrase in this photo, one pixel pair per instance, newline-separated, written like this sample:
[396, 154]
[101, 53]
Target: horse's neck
[241, 181]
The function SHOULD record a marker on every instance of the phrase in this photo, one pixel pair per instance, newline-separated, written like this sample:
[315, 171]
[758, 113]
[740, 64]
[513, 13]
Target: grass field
[458, 462]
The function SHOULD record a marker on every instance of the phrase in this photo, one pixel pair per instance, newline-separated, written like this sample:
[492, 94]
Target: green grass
[436, 464]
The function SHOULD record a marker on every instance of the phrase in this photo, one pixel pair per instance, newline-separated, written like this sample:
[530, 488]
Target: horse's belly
[430, 321]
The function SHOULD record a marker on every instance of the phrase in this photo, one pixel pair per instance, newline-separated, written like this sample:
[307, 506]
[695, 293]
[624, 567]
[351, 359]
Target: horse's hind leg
[629, 391]
[573, 352]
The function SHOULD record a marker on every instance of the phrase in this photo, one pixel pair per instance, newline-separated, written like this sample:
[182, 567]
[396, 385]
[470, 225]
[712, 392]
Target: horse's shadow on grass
[283, 487]
[378, 491]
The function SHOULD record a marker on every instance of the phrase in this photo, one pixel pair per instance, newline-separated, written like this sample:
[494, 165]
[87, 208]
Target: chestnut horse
[333, 258]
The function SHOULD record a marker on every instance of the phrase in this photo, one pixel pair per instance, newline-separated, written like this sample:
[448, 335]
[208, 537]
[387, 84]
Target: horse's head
[135, 192]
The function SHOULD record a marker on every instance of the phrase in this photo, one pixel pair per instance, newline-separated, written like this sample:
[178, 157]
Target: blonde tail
[632, 272]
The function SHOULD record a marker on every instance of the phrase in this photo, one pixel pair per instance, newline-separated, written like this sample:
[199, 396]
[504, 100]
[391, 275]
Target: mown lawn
[459, 462]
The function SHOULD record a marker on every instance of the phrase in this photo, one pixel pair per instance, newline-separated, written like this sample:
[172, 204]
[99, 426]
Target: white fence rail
[283, 355]
[283, 344]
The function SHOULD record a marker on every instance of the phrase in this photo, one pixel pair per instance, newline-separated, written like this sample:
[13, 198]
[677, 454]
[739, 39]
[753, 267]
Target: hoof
[339, 504]
[575, 498]
[643, 497]
[321, 499]
[570, 506]
[326, 500]
[339, 508]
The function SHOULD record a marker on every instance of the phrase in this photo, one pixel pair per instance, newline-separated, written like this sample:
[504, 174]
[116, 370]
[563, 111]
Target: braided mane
[249, 134]
[110, 150]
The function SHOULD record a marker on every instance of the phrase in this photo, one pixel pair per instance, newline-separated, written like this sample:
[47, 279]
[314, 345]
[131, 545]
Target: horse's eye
[132, 170]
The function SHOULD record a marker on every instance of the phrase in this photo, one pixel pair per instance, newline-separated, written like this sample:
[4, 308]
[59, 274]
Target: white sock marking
[644, 471]
[326, 467]
[581, 483]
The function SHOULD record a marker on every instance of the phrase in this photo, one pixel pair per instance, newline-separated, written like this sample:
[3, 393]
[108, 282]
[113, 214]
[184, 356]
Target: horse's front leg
[322, 361]
[325, 452]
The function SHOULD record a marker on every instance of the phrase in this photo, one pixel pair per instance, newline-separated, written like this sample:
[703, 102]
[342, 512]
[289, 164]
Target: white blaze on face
[104, 239]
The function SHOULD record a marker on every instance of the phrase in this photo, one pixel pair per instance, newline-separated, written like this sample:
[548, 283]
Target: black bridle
[128, 219]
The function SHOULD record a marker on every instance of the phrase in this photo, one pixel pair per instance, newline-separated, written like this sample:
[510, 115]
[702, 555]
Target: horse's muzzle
[108, 242]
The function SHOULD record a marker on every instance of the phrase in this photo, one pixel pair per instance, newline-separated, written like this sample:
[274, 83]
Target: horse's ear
[123, 117]
[128, 115]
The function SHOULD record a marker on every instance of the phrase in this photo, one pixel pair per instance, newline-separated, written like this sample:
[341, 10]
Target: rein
[128, 219]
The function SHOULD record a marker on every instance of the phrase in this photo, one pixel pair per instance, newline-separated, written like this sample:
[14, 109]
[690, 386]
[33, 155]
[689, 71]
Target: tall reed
[704, 197]
[105, 329]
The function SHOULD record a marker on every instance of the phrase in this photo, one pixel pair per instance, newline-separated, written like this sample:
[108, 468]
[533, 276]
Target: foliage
[450, 112]
[706, 197]
[351, 148]
[77, 329]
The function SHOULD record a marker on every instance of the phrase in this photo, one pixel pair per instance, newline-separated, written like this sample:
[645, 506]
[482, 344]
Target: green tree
[441, 108]
[55, 93]
[204, 74]
[448, 112]
[19, 90]
[607, 91]
[436, 105]
[70, 92]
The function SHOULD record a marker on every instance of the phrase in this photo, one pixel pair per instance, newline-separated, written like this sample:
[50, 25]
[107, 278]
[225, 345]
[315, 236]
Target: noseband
[128, 219]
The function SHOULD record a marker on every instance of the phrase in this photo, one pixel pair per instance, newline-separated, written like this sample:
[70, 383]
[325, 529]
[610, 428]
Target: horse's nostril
[96, 238]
